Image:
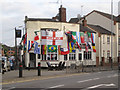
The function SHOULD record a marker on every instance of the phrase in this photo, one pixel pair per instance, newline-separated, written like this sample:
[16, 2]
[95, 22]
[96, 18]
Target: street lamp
[111, 29]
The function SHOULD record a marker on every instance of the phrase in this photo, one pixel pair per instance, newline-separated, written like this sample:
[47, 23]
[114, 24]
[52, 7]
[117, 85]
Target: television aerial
[58, 1]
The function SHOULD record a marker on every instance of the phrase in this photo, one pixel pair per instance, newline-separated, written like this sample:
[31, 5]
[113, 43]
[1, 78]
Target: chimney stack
[84, 22]
[62, 14]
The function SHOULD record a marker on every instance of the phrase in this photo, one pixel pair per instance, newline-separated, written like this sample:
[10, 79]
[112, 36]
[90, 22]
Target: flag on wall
[30, 45]
[25, 42]
[52, 48]
[74, 37]
[52, 37]
[36, 49]
[82, 37]
[43, 49]
[36, 36]
[93, 42]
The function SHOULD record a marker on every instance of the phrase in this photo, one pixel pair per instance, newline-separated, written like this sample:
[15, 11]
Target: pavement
[13, 76]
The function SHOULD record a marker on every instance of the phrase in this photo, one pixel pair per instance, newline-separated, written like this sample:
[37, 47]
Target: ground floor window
[119, 54]
[43, 57]
[108, 54]
[65, 57]
[38, 56]
[87, 55]
[80, 56]
[72, 56]
[52, 56]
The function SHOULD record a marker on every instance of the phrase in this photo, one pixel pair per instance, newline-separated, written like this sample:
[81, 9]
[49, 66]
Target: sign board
[18, 33]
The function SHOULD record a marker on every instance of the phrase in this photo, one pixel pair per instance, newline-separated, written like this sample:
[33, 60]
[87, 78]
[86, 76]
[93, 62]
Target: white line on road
[84, 81]
[96, 78]
[100, 85]
[88, 80]
[57, 86]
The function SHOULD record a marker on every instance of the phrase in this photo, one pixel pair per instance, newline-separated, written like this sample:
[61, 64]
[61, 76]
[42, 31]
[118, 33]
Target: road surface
[107, 80]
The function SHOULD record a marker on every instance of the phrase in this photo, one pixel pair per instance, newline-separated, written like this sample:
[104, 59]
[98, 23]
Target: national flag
[25, 39]
[52, 37]
[64, 51]
[52, 48]
[69, 35]
[43, 49]
[78, 37]
[30, 45]
[36, 49]
[82, 37]
[73, 46]
[85, 37]
[25, 42]
[74, 37]
[70, 47]
[93, 42]
[36, 36]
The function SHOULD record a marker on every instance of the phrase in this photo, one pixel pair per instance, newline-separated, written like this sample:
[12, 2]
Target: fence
[82, 67]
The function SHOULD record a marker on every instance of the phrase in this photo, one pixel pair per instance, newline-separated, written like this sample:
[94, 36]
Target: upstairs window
[108, 40]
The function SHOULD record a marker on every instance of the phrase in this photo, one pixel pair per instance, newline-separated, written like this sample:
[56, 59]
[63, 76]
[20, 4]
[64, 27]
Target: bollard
[20, 70]
[3, 71]
[39, 69]
[29, 67]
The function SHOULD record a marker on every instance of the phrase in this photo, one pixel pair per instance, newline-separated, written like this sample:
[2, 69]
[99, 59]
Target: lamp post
[16, 49]
[111, 30]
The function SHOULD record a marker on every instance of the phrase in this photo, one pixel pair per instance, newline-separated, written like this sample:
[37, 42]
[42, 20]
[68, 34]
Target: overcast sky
[13, 12]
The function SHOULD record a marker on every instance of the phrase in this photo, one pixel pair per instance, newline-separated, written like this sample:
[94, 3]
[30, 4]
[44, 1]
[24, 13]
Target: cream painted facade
[32, 26]
[95, 18]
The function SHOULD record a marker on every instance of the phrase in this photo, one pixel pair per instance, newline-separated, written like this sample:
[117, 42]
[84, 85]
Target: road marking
[57, 86]
[100, 85]
[88, 80]
[99, 72]
[96, 78]
[84, 81]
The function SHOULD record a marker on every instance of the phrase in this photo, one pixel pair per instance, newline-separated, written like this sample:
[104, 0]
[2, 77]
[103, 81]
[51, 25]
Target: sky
[13, 12]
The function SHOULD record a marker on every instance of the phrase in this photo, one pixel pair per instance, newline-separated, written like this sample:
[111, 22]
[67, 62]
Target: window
[119, 54]
[65, 57]
[108, 54]
[38, 56]
[87, 55]
[103, 39]
[103, 53]
[51, 56]
[43, 57]
[119, 41]
[72, 56]
[80, 56]
[108, 40]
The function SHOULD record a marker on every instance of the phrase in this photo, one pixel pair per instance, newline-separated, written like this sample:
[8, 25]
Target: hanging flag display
[36, 49]
[82, 37]
[36, 36]
[52, 37]
[52, 48]
[30, 45]
[74, 37]
[43, 49]
[93, 42]
[25, 42]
